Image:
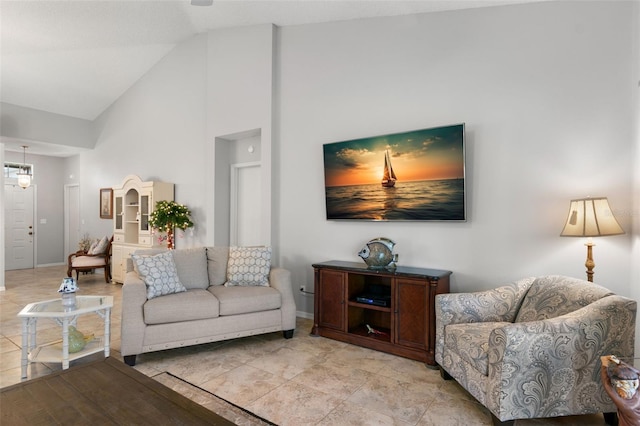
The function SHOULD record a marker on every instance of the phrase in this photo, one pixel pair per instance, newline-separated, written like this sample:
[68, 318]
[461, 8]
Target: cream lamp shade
[590, 217]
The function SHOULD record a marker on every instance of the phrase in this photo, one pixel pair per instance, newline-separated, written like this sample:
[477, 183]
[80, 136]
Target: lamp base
[590, 264]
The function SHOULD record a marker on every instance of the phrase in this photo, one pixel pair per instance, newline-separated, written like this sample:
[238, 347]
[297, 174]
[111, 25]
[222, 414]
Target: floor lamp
[590, 217]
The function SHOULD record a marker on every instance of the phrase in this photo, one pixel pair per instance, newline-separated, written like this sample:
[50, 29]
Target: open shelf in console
[361, 283]
[368, 306]
[369, 292]
[362, 330]
[361, 316]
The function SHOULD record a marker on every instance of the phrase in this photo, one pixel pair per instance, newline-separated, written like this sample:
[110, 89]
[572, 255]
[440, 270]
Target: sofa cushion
[88, 261]
[191, 264]
[217, 258]
[554, 295]
[248, 266]
[158, 273]
[185, 306]
[470, 342]
[242, 300]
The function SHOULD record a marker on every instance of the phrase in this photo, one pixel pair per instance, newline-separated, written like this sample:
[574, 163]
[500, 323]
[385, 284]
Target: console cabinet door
[330, 304]
[412, 312]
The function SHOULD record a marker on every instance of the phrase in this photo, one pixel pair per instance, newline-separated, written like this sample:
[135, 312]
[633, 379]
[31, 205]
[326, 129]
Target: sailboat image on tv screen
[389, 177]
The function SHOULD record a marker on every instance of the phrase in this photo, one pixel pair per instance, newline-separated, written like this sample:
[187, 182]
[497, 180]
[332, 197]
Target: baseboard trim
[44, 265]
[302, 314]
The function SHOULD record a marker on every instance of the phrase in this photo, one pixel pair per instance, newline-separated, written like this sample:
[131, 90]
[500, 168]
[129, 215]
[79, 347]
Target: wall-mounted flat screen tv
[410, 176]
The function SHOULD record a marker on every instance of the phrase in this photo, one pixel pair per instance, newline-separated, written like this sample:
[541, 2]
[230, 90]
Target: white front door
[246, 205]
[19, 229]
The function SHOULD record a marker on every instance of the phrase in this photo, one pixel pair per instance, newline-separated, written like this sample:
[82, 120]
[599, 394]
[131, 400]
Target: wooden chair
[81, 261]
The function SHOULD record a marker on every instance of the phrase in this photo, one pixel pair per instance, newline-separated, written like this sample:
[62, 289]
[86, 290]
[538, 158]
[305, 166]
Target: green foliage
[168, 215]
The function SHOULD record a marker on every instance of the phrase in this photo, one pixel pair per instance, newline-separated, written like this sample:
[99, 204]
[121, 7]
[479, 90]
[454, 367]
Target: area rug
[229, 411]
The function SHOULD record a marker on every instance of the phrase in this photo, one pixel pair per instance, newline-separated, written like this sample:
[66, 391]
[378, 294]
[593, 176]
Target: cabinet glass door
[131, 216]
[144, 212]
[118, 214]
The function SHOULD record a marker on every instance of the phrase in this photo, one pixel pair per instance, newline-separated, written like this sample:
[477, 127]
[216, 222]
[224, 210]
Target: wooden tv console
[406, 327]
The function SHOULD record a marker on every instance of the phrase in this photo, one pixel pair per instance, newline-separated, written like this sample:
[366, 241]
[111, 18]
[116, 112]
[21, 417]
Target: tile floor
[306, 380]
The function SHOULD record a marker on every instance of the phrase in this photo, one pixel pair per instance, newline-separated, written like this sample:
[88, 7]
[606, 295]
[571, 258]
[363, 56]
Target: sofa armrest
[552, 367]
[496, 305]
[280, 279]
[134, 296]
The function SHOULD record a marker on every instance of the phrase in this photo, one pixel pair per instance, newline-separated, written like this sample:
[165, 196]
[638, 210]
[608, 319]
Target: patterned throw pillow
[101, 247]
[159, 273]
[93, 246]
[248, 266]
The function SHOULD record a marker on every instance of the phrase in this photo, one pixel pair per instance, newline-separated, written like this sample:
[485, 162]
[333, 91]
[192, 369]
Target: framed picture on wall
[106, 203]
[410, 176]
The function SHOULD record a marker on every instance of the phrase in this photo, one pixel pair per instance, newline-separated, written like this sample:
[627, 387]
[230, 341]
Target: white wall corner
[2, 285]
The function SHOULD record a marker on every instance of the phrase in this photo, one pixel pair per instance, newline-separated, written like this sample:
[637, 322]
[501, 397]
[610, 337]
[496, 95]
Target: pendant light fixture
[24, 178]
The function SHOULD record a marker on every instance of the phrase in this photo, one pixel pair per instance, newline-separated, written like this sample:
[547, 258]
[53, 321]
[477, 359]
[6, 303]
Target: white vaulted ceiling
[77, 57]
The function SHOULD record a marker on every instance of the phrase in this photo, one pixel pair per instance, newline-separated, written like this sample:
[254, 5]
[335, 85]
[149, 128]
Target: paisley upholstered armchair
[531, 349]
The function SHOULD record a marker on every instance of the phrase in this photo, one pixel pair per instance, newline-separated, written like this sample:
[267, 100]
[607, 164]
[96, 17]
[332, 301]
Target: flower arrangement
[169, 215]
[85, 243]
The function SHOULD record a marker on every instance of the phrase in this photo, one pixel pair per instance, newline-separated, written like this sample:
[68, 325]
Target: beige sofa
[532, 348]
[208, 311]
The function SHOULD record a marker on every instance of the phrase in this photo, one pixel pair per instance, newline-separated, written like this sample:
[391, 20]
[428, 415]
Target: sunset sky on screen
[419, 155]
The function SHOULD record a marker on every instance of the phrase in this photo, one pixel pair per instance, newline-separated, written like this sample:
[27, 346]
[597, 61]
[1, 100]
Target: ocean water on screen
[417, 200]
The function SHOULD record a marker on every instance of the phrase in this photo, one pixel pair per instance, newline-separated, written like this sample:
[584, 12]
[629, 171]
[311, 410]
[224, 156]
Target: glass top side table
[64, 316]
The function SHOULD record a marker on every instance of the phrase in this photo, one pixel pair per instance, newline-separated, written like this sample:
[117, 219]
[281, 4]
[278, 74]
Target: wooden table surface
[101, 392]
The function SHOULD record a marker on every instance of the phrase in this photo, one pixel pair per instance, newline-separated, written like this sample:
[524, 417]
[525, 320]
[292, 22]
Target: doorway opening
[71, 217]
[241, 191]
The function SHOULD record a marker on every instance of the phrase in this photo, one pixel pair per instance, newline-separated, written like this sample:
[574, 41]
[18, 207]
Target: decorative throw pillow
[159, 273]
[93, 246]
[248, 266]
[101, 247]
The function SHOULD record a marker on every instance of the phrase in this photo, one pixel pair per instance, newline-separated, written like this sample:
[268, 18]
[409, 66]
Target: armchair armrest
[496, 305]
[280, 279]
[84, 254]
[78, 253]
[134, 296]
[552, 367]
